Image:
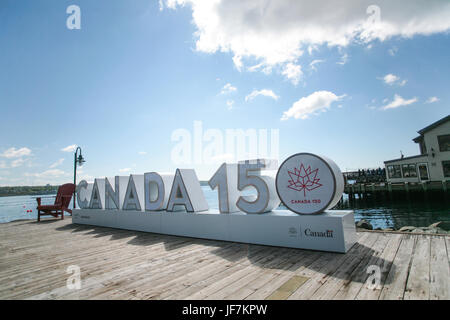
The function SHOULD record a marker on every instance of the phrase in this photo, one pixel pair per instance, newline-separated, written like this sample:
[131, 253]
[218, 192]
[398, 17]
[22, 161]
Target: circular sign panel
[309, 184]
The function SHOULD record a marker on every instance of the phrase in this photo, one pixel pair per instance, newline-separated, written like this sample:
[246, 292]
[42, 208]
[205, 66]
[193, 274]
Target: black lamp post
[77, 161]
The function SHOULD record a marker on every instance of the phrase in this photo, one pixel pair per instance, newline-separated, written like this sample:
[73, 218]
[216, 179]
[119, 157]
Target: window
[446, 168]
[394, 171]
[423, 171]
[409, 170]
[444, 142]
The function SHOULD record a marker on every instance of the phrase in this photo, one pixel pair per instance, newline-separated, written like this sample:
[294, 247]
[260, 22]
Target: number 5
[249, 174]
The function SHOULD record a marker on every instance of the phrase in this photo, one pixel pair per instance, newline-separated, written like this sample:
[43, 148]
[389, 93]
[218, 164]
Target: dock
[119, 264]
[402, 188]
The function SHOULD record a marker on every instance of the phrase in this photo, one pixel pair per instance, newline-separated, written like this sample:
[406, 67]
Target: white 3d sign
[309, 184]
[305, 183]
[174, 204]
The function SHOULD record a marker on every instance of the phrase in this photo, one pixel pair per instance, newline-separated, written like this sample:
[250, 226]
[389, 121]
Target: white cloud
[16, 153]
[3, 165]
[392, 79]
[88, 178]
[70, 148]
[393, 51]
[230, 104]
[57, 163]
[344, 59]
[17, 163]
[318, 101]
[277, 32]
[54, 173]
[314, 62]
[399, 102]
[432, 100]
[264, 92]
[124, 170]
[262, 67]
[311, 49]
[237, 60]
[228, 88]
[255, 67]
[293, 72]
[142, 153]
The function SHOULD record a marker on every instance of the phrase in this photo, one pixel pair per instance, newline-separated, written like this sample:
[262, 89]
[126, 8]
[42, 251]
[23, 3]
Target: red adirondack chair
[61, 204]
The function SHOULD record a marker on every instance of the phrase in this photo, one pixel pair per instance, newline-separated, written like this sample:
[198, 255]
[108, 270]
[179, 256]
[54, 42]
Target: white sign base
[333, 230]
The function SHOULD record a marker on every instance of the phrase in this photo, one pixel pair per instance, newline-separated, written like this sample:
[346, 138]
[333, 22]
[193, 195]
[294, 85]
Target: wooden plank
[394, 286]
[349, 287]
[447, 245]
[418, 282]
[439, 270]
[213, 288]
[151, 286]
[63, 272]
[58, 273]
[58, 248]
[385, 263]
[157, 271]
[121, 264]
[95, 251]
[327, 265]
[287, 288]
[195, 285]
[102, 277]
[203, 279]
[283, 261]
[315, 258]
[267, 289]
[332, 283]
[266, 280]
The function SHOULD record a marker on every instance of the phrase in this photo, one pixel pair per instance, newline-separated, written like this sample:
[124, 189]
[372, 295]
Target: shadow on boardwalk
[264, 257]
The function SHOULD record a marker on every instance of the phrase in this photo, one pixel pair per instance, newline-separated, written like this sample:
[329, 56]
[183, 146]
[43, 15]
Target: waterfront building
[433, 162]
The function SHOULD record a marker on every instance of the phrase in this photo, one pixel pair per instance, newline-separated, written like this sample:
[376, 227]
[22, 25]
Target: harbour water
[381, 213]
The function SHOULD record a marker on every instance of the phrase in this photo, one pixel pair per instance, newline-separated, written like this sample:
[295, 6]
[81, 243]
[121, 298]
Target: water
[380, 212]
[15, 208]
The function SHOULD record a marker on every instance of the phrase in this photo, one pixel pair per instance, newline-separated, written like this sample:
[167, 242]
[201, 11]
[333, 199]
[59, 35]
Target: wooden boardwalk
[120, 264]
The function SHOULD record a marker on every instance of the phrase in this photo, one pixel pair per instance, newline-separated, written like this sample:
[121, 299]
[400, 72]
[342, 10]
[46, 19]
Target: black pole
[75, 175]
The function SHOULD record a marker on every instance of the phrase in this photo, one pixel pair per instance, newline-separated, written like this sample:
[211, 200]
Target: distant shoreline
[39, 190]
[27, 190]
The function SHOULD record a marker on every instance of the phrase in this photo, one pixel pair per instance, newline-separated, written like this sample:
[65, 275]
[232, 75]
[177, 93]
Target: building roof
[407, 158]
[434, 125]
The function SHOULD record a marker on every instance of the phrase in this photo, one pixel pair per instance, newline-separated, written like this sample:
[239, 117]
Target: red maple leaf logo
[304, 179]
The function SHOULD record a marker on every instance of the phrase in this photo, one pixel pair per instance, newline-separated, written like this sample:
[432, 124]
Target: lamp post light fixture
[78, 160]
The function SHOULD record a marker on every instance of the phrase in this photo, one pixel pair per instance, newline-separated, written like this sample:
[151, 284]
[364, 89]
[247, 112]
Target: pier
[400, 188]
[122, 264]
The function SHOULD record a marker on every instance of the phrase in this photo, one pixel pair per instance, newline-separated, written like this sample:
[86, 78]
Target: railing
[366, 175]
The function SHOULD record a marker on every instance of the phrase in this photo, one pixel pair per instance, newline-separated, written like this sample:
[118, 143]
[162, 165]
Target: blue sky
[137, 71]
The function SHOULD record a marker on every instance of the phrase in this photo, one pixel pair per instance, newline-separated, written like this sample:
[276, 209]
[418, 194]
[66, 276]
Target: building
[433, 163]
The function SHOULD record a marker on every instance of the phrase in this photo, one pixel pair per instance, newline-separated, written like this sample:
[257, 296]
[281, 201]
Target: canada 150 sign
[305, 183]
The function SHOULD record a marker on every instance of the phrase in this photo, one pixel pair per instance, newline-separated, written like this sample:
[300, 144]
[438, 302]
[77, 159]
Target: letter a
[74, 20]
[131, 201]
[96, 201]
[186, 191]
[112, 196]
